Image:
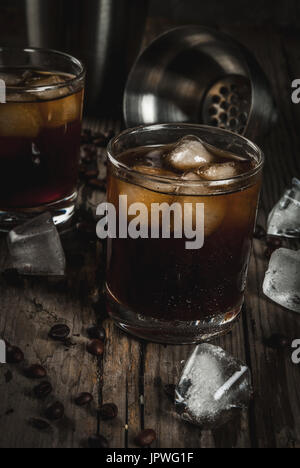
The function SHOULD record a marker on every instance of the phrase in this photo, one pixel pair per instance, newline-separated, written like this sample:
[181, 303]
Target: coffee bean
[95, 347]
[277, 341]
[260, 232]
[59, 332]
[39, 424]
[14, 355]
[36, 372]
[43, 390]
[108, 411]
[170, 391]
[55, 411]
[97, 442]
[145, 438]
[83, 399]
[97, 333]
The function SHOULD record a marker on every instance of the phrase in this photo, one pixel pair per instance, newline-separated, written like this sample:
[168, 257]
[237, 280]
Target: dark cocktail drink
[158, 288]
[40, 126]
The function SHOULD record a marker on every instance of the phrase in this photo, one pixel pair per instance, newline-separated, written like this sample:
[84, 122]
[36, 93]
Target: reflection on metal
[105, 34]
[197, 75]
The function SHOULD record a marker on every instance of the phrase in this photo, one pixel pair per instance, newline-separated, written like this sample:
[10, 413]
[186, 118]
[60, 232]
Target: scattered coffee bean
[95, 347]
[108, 411]
[9, 412]
[59, 332]
[43, 390]
[14, 355]
[277, 341]
[36, 372]
[83, 399]
[39, 424]
[55, 411]
[97, 333]
[145, 438]
[170, 391]
[97, 442]
[260, 232]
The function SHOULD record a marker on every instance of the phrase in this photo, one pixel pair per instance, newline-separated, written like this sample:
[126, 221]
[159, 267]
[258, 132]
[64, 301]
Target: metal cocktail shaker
[105, 34]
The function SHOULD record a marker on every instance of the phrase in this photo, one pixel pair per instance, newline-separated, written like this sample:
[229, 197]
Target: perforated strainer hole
[227, 104]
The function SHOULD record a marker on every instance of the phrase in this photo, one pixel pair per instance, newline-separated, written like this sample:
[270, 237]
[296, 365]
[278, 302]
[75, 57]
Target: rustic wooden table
[131, 373]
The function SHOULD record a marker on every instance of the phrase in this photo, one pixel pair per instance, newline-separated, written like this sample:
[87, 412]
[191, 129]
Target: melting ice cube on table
[35, 248]
[282, 280]
[284, 219]
[213, 387]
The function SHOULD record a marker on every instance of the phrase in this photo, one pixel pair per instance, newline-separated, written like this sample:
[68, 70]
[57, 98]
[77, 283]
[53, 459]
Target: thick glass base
[62, 212]
[173, 332]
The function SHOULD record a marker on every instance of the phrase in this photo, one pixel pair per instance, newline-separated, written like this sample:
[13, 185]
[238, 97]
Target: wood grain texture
[132, 373]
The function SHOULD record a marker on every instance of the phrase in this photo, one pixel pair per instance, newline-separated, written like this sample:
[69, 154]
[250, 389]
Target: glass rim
[177, 181]
[33, 89]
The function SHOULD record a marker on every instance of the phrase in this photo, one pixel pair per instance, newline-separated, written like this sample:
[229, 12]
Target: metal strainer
[194, 74]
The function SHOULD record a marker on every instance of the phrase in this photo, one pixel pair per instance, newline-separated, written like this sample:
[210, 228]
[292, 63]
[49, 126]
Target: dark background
[233, 12]
[251, 12]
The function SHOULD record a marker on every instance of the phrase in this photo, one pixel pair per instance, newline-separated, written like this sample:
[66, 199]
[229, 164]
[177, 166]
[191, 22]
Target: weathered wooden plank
[275, 411]
[28, 310]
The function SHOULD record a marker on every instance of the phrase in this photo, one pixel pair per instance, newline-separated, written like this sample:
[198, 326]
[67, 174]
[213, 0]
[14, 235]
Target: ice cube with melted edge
[220, 171]
[189, 153]
[154, 171]
[35, 248]
[138, 194]
[47, 80]
[20, 120]
[59, 112]
[215, 208]
[213, 387]
[282, 280]
[284, 219]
